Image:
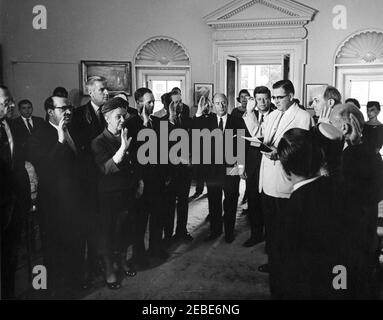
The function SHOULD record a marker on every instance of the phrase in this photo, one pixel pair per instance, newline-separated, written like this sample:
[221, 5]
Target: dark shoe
[113, 285]
[182, 237]
[212, 237]
[229, 238]
[264, 268]
[141, 262]
[252, 242]
[159, 253]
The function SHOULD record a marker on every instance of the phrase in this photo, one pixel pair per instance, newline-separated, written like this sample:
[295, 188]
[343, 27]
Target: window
[159, 87]
[161, 64]
[252, 76]
[367, 90]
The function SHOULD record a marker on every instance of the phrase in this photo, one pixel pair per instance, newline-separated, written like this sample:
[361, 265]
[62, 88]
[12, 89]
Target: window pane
[359, 91]
[376, 91]
[259, 75]
[173, 84]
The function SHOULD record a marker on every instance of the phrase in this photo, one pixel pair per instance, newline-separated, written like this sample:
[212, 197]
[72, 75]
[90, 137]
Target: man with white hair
[88, 122]
[221, 178]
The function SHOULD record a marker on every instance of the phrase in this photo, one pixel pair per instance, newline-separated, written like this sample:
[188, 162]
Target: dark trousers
[142, 218]
[61, 244]
[272, 208]
[254, 203]
[156, 212]
[178, 191]
[10, 239]
[200, 176]
[218, 182]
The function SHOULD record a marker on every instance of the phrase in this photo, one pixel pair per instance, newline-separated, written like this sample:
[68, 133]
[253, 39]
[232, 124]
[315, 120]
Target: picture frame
[310, 90]
[200, 89]
[117, 73]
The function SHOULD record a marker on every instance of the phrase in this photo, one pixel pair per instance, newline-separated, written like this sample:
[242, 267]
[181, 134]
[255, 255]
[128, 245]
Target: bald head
[341, 115]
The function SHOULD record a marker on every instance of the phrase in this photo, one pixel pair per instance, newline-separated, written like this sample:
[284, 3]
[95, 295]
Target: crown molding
[296, 15]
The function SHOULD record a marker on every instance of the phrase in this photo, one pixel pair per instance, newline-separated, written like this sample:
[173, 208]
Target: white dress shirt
[224, 120]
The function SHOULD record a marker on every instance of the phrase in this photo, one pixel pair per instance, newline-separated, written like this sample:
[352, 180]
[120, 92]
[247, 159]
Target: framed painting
[117, 73]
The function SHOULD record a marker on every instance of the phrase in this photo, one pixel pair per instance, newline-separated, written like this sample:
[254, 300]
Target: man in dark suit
[15, 196]
[223, 177]
[255, 120]
[362, 177]
[178, 189]
[88, 122]
[54, 155]
[155, 176]
[26, 124]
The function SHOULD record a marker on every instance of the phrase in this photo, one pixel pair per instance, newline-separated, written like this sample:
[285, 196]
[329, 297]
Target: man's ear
[330, 102]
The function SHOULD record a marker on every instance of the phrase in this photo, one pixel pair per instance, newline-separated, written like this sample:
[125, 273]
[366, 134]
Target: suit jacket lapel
[270, 125]
[285, 122]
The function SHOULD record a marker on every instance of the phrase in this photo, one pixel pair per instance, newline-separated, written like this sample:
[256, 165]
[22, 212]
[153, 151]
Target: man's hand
[272, 155]
[251, 104]
[324, 116]
[62, 128]
[172, 112]
[242, 173]
[140, 189]
[203, 106]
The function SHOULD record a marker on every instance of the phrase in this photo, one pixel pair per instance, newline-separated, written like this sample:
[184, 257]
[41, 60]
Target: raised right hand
[203, 105]
[125, 142]
[251, 104]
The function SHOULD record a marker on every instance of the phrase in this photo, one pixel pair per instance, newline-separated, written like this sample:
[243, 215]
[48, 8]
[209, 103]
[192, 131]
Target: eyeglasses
[279, 97]
[65, 108]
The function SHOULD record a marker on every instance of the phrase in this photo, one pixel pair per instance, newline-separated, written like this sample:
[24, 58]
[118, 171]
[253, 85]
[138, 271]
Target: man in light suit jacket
[255, 122]
[273, 182]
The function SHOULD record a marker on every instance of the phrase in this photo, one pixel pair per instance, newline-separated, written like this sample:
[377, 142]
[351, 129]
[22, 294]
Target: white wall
[112, 30]
[324, 39]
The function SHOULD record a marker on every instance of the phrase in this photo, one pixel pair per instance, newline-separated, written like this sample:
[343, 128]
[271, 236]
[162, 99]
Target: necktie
[260, 131]
[29, 124]
[275, 127]
[220, 125]
[100, 117]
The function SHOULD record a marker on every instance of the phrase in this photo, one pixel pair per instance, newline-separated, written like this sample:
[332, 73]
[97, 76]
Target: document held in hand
[255, 142]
